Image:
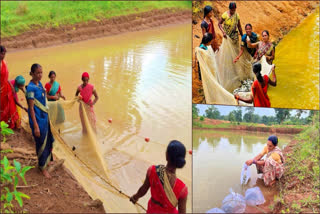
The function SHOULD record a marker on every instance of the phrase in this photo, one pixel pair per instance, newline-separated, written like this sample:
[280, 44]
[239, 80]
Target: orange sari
[8, 110]
[260, 97]
[161, 200]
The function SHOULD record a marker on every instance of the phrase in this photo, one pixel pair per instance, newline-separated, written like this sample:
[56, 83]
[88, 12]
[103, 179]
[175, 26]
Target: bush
[202, 118]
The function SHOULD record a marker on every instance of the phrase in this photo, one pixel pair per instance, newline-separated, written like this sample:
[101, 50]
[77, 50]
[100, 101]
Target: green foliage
[282, 114]
[202, 118]
[212, 112]
[195, 111]
[19, 16]
[5, 131]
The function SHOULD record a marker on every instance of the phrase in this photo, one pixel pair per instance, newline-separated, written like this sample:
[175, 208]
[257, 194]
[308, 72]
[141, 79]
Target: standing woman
[8, 110]
[259, 88]
[53, 88]
[231, 23]
[39, 120]
[207, 26]
[86, 91]
[167, 191]
[16, 84]
[264, 48]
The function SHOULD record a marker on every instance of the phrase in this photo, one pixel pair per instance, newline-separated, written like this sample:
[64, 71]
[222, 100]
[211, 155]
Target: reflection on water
[218, 158]
[142, 79]
[297, 67]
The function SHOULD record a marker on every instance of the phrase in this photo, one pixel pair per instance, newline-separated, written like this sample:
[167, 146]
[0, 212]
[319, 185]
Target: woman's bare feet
[46, 173]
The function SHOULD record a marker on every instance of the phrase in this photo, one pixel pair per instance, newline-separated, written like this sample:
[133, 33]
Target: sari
[260, 97]
[264, 49]
[230, 25]
[86, 93]
[52, 91]
[15, 96]
[8, 110]
[164, 198]
[44, 143]
[272, 169]
[209, 28]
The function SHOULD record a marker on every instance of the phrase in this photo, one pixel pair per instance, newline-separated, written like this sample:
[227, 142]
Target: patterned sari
[272, 170]
[260, 96]
[230, 25]
[164, 198]
[264, 49]
[44, 143]
[8, 110]
[86, 93]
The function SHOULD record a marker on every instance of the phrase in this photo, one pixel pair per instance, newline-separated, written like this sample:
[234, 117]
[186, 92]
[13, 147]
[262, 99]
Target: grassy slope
[300, 182]
[20, 16]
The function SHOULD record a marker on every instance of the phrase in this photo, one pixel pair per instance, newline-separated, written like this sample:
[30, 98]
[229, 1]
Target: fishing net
[220, 76]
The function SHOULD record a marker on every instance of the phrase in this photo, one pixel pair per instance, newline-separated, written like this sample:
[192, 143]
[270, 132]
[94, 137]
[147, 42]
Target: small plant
[202, 118]
[5, 131]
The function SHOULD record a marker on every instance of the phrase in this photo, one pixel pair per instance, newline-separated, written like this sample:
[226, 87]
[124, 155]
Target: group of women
[230, 26]
[167, 191]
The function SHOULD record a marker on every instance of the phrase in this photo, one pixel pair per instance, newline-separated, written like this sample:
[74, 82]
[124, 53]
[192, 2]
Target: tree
[299, 113]
[265, 120]
[248, 116]
[195, 111]
[256, 118]
[238, 114]
[282, 114]
[212, 112]
[232, 116]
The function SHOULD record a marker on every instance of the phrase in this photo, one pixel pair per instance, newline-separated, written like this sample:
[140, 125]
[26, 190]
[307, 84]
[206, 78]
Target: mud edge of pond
[45, 37]
[278, 130]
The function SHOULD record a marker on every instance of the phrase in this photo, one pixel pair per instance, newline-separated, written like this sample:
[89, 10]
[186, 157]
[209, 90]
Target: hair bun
[180, 162]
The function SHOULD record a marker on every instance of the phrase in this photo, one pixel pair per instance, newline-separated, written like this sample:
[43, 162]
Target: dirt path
[278, 17]
[95, 29]
[60, 194]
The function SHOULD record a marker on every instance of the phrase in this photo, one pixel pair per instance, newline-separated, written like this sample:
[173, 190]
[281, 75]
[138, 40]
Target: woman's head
[3, 52]
[257, 71]
[85, 78]
[272, 142]
[248, 29]
[232, 7]
[36, 72]
[52, 75]
[265, 36]
[176, 153]
[207, 11]
[207, 39]
[19, 83]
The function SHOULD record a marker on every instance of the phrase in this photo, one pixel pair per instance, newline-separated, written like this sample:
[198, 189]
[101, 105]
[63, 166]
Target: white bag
[254, 196]
[215, 210]
[245, 174]
[234, 203]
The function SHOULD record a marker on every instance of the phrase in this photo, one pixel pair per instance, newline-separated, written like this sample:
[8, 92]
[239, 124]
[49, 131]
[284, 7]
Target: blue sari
[44, 143]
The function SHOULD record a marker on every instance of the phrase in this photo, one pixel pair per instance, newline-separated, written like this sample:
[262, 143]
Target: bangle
[254, 161]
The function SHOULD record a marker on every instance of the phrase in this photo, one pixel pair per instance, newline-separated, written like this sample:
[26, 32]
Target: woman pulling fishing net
[167, 191]
[272, 167]
[86, 90]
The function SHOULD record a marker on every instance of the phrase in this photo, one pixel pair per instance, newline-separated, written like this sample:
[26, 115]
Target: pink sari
[86, 93]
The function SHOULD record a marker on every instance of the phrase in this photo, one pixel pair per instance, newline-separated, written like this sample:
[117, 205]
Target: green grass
[21, 16]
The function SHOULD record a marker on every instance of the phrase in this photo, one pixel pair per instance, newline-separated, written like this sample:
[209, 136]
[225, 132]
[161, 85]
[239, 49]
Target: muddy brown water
[218, 157]
[143, 80]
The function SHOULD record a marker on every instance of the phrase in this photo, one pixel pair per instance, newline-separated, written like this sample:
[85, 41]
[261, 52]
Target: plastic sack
[245, 174]
[234, 203]
[254, 196]
[215, 210]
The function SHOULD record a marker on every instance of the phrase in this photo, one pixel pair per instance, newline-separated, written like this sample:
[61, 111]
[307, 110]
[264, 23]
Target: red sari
[86, 94]
[260, 97]
[159, 201]
[8, 110]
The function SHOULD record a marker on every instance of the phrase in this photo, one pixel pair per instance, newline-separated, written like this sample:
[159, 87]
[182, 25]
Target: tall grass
[20, 16]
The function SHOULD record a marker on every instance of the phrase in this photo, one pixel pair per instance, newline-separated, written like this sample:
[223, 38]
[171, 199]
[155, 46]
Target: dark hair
[51, 72]
[206, 10]
[176, 153]
[34, 67]
[232, 5]
[273, 139]
[267, 32]
[207, 37]
[2, 49]
[248, 25]
[257, 71]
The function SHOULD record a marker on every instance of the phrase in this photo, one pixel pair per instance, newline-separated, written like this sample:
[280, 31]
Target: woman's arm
[77, 92]
[142, 191]
[256, 158]
[182, 205]
[249, 100]
[203, 31]
[221, 28]
[240, 54]
[61, 95]
[274, 81]
[252, 45]
[240, 28]
[55, 97]
[33, 118]
[271, 57]
[95, 96]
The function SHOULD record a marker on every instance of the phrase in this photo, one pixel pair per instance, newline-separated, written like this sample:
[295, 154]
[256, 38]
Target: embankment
[278, 17]
[44, 37]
